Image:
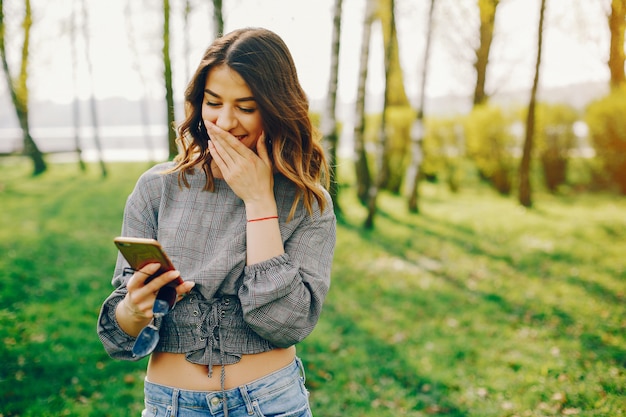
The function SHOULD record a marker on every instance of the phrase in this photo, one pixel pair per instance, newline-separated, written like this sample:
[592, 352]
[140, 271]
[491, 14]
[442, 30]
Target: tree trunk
[417, 132]
[329, 118]
[75, 101]
[186, 37]
[363, 177]
[136, 63]
[397, 142]
[218, 19]
[617, 23]
[18, 89]
[169, 91]
[525, 191]
[92, 99]
[382, 136]
[487, 10]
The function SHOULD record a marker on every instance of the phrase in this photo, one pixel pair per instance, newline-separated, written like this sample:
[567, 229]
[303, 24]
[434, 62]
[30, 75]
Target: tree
[75, 101]
[92, 99]
[218, 18]
[18, 88]
[525, 192]
[329, 118]
[186, 36]
[382, 134]
[399, 112]
[169, 90]
[617, 24]
[363, 176]
[136, 63]
[487, 10]
[605, 118]
[417, 132]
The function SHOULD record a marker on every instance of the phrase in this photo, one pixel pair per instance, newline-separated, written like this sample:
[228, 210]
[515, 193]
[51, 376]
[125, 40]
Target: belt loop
[246, 399]
[174, 405]
[301, 369]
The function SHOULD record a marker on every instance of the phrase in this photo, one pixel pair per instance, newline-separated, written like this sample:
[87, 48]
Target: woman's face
[228, 102]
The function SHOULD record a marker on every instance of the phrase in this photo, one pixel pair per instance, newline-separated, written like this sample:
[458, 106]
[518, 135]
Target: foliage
[399, 121]
[396, 90]
[607, 131]
[491, 145]
[397, 155]
[444, 150]
[554, 141]
[487, 311]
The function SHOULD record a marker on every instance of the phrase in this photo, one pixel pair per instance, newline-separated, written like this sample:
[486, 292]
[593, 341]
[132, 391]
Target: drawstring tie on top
[215, 334]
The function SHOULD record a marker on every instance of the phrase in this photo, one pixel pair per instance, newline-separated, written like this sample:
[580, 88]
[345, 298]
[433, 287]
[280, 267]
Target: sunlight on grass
[475, 307]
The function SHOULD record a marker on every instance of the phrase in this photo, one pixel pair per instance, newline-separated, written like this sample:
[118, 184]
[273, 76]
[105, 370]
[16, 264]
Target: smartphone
[140, 252]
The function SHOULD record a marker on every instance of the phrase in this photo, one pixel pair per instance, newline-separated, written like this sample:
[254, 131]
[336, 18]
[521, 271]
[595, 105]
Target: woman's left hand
[249, 174]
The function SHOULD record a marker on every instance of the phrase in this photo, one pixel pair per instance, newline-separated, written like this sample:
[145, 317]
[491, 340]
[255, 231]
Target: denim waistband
[243, 395]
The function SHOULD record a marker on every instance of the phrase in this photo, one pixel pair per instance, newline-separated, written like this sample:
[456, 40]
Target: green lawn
[476, 307]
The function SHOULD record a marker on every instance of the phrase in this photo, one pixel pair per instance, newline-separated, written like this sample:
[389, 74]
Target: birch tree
[93, 107]
[617, 24]
[218, 18]
[18, 87]
[167, 76]
[363, 176]
[417, 132]
[75, 101]
[187, 36]
[525, 192]
[329, 118]
[382, 134]
[394, 159]
[136, 64]
[487, 11]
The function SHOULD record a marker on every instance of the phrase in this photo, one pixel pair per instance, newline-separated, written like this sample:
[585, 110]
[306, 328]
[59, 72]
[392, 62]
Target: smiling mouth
[241, 137]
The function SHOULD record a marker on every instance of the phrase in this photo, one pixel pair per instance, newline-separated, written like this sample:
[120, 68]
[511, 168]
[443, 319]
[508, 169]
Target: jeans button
[215, 401]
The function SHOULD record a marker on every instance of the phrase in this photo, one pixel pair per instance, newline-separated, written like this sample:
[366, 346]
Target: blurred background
[479, 172]
[113, 52]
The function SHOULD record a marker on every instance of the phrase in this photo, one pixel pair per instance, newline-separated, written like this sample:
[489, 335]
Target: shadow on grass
[381, 376]
[531, 312]
[472, 243]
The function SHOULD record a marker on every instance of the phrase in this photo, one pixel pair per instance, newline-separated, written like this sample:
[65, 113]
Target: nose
[226, 119]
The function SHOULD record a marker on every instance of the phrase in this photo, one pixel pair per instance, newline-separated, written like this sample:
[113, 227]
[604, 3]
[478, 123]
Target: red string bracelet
[260, 219]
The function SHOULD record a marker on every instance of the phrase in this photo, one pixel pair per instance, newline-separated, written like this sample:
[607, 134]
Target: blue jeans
[281, 393]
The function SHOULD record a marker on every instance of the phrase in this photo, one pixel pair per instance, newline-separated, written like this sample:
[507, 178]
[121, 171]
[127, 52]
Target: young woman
[245, 219]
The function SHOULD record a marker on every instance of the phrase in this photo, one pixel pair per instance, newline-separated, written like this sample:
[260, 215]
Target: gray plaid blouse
[234, 308]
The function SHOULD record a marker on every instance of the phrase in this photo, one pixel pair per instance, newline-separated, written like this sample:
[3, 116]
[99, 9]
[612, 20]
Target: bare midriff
[173, 370]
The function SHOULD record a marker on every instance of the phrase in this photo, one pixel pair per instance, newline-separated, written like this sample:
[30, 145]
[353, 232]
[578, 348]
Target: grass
[476, 307]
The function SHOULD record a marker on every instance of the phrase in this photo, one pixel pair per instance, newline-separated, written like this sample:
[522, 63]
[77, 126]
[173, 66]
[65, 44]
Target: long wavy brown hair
[263, 60]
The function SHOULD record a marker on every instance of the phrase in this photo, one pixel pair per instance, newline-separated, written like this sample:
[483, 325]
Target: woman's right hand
[247, 171]
[135, 310]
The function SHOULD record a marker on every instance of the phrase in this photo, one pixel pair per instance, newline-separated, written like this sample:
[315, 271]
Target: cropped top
[234, 308]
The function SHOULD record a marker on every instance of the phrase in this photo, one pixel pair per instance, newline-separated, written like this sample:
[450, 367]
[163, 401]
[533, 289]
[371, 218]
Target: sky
[576, 45]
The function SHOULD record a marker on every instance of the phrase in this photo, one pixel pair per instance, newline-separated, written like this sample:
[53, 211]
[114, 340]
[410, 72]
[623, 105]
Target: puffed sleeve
[139, 221]
[282, 297]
